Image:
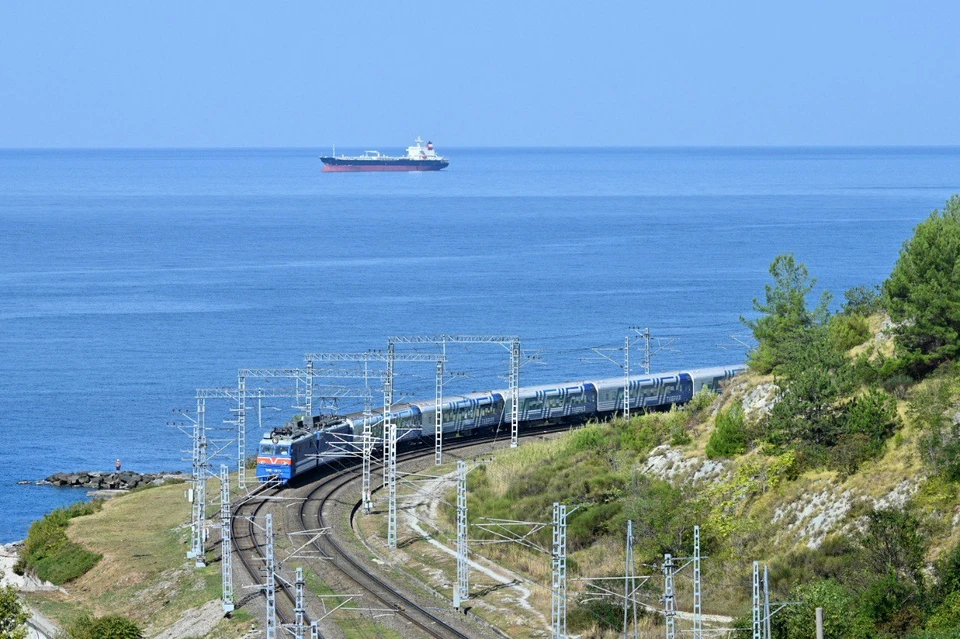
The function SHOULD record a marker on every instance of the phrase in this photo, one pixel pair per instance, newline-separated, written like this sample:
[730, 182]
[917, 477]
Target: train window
[554, 402]
[266, 449]
[532, 404]
[283, 450]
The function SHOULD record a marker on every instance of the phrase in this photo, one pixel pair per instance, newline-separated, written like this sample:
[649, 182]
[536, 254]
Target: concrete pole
[819, 623]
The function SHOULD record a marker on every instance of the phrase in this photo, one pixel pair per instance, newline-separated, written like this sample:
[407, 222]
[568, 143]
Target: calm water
[130, 278]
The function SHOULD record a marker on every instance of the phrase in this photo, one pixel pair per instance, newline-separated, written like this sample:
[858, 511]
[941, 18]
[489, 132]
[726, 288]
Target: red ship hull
[355, 168]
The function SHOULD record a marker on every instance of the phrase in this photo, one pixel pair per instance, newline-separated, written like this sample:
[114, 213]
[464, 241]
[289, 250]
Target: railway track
[310, 516]
[251, 550]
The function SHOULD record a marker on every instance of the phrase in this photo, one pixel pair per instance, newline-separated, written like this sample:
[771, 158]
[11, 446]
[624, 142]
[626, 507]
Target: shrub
[948, 571]
[847, 331]
[109, 627]
[940, 442]
[13, 614]
[893, 544]
[679, 436]
[947, 614]
[868, 420]
[702, 400]
[838, 557]
[729, 437]
[841, 619]
[898, 385]
[590, 613]
[590, 437]
[892, 605]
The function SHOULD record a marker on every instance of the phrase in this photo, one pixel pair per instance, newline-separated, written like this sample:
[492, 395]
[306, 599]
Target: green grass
[144, 573]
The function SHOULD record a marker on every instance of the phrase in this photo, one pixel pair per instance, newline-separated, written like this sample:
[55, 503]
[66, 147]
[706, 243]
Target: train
[296, 448]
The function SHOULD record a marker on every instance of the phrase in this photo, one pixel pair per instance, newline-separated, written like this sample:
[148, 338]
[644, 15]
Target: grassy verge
[143, 573]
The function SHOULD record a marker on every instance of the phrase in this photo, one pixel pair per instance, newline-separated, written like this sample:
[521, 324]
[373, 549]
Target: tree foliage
[863, 300]
[13, 615]
[815, 376]
[923, 292]
[784, 314]
[841, 618]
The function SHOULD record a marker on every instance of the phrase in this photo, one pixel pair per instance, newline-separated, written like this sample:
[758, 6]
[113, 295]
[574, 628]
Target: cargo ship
[418, 158]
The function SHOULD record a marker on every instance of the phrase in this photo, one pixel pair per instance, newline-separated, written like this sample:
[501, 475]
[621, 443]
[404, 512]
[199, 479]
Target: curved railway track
[286, 609]
[311, 516]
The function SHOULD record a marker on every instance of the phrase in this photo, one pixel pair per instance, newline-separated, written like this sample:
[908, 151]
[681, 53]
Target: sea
[131, 278]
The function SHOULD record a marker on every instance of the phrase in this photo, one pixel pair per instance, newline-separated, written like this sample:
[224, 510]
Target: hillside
[835, 460]
[809, 524]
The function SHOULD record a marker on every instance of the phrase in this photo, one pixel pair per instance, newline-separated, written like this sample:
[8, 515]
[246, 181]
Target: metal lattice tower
[629, 585]
[199, 512]
[757, 621]
[646, 350]
[387, 412]
[367, 440]
[391, 466]
[511, 342]
[438, 418]
[626, 377]
[669, 601]
[514, 393]
[226, 543]
[390, 357]
[241, 432]
[766, 601]
[314, 630]
[559, 590]
[308, 393]
[270, 580]
[300, 613]
[697, 587]
[461, 592]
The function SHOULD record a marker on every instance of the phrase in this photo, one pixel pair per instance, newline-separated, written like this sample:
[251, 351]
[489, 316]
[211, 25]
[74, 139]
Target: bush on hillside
[48, 551]
[109, 627]
[923, 292]
[847, 331]
[702, 400]
[930, 409]
[729, 437]
[13, 614]
[841, 618]
[868, 421]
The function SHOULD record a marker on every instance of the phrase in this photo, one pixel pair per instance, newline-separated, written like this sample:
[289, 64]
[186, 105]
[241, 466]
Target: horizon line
[494, 147]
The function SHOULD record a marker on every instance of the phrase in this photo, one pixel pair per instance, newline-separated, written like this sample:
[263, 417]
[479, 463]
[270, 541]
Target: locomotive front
[274, 459]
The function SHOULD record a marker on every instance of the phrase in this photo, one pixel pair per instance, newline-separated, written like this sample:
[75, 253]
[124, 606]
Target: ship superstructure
[418, 158]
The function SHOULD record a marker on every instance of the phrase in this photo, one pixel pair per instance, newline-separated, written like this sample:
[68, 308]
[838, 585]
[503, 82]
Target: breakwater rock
[124, 480]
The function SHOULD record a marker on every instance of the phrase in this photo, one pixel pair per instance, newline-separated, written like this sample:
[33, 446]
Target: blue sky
[521, 73]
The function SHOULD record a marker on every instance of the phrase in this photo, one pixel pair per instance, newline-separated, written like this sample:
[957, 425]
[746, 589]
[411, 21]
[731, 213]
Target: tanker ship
[418, 158]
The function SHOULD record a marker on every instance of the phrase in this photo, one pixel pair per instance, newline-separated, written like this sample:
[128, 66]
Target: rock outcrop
[97, 480]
